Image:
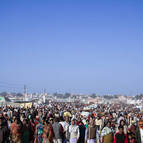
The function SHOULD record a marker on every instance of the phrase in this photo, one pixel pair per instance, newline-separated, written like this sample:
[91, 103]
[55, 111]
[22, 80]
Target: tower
[44, 96]
[25, 93]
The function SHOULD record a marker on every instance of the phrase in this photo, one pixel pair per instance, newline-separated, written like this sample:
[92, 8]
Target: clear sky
[78, 46]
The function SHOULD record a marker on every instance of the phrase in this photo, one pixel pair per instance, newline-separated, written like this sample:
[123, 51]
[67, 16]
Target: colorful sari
[15, 133]
[47, 134]
[39, 132]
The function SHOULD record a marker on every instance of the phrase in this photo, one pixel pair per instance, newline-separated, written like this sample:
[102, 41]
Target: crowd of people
[64, 123]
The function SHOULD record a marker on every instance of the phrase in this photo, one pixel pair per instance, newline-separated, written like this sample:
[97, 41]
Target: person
[4, 120]
[99, 122]
[131, 134]
[16, 131]
[120, 137]
[74, 131]
[120, 118]
[91, 133]
[58, 131]
[32, 130]
[47, 133]
[87, 123]
[6, 124]
[82, 129]
[122, 123]
[107, 135]
[25, 132]
[3, 132]
[39, 132]
[51, 121]
[65, 124]
[139, 132]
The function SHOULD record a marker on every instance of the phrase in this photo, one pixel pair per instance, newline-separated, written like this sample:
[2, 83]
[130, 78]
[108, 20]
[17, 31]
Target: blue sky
[77, 46]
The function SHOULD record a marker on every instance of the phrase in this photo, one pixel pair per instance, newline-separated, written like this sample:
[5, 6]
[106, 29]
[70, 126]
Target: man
[91, 133]
[99, 122]
[120, 137]
[74, 132]
[58, 131]
[82, 129]
[65, 125]
[139, 132]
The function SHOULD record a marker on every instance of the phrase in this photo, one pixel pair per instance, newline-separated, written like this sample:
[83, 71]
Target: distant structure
[25, 93]
[44, 96]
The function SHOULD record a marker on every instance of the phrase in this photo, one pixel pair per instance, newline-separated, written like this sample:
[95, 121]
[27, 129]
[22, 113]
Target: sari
[47, 134]
[16, 133]
[39, 132]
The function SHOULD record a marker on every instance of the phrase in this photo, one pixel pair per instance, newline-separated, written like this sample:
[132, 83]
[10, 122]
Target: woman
[39, 132]
[120, 137]
[107, 134]
[125, 128]
[47, 133]
[16, 131]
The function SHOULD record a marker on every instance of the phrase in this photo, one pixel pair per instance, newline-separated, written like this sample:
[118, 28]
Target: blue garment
[40, 132]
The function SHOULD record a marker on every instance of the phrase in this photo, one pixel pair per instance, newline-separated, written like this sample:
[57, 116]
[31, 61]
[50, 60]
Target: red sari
[47, 134]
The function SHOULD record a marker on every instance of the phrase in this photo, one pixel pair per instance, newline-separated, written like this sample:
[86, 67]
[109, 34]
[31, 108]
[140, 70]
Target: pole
[24, 94]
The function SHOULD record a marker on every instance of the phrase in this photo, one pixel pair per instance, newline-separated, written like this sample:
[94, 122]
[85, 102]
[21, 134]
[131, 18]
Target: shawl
[106, 131]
